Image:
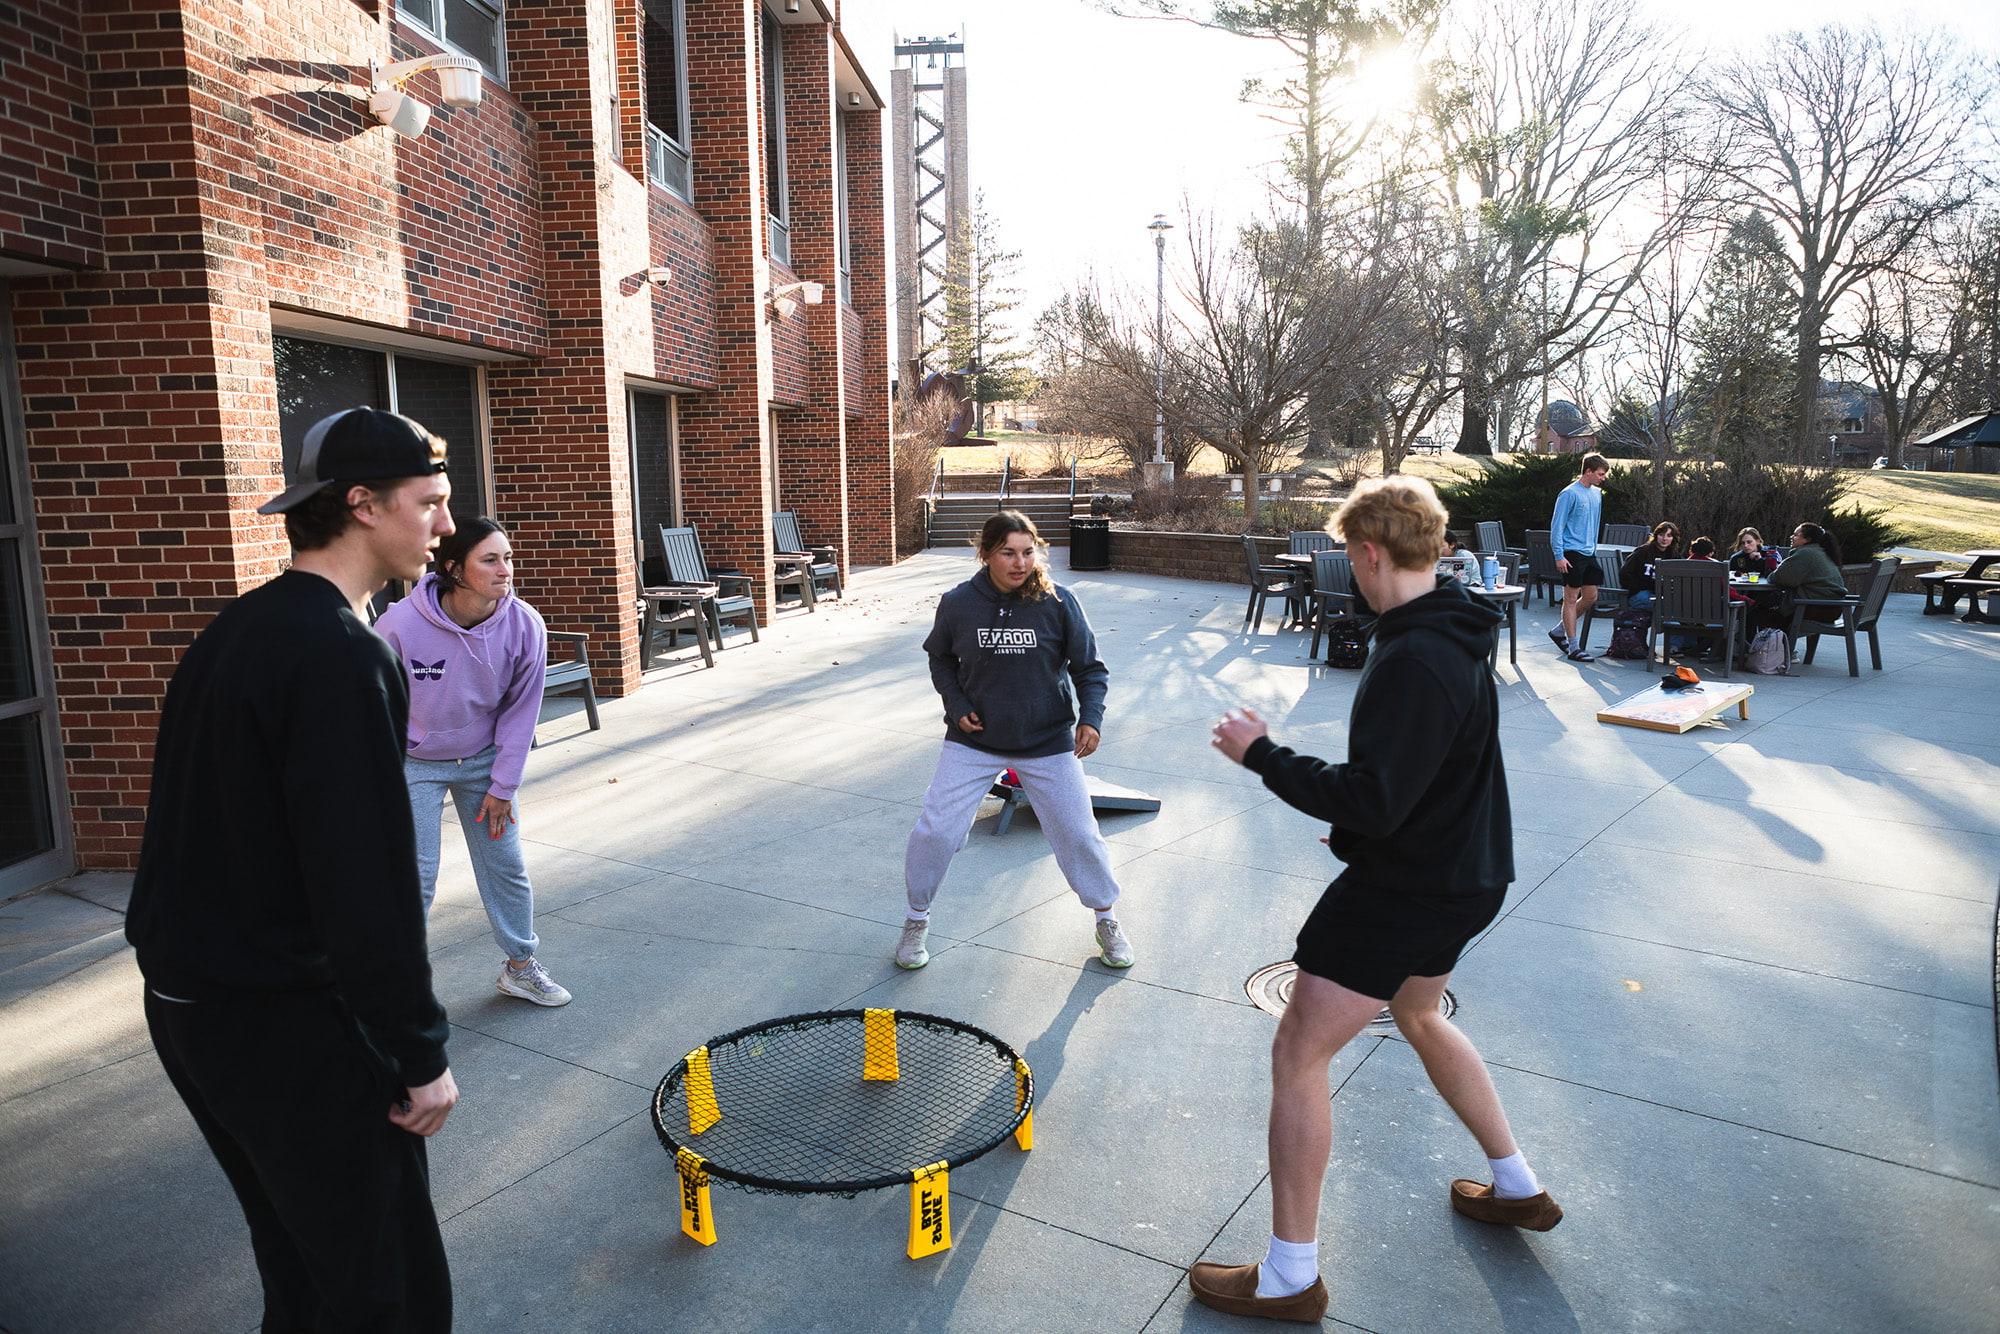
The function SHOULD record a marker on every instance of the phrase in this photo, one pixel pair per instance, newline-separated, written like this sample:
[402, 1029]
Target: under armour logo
[427, 671]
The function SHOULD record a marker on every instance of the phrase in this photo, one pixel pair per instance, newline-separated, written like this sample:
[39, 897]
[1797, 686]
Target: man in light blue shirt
[1573, 536]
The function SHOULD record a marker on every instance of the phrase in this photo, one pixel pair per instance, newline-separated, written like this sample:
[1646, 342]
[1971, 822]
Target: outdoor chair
[812, 567]
[560, 678]
[1626, 535]
[1693, 596]
[1542, 571]
[1858, 615]
[1266, 582]
[1510, 566]
[1490, 539]
[1611, 599]
[669, 610]
[1332, 595]
[1317, 539]
[686, 566]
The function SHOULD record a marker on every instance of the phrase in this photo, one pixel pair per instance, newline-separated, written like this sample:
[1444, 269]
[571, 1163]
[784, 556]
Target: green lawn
[1945, 511]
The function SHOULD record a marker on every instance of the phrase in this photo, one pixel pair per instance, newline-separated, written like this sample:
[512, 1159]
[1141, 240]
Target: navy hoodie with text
[1420, 807]
[1012, 660]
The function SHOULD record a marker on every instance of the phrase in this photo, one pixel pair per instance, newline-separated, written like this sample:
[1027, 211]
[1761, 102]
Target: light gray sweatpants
[1055, 788]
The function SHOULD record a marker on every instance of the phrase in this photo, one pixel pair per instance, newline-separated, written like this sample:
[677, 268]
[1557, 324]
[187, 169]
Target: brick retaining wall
[1217, 557]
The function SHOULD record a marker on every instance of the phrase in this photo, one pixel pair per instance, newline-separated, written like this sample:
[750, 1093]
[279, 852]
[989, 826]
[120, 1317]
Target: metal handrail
[1006, 476]
[1072, 485]
[937, 479]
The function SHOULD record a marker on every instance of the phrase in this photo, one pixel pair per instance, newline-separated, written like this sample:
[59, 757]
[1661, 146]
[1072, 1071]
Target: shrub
[1519, 490]
[1206, 505]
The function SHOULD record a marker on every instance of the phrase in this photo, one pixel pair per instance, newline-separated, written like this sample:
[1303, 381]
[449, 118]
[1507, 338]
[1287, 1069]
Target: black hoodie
[1012, 659]
[1420, 807]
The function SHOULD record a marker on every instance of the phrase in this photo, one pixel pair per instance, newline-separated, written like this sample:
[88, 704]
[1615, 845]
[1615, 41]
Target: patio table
[1510, 597]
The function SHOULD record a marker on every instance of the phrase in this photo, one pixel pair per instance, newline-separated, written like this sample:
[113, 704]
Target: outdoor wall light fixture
[460, 84]
[854, 99]
[791, 6]
[660, 275]
[787, 299]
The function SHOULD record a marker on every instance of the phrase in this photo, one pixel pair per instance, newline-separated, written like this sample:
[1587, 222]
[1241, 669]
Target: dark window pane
[318, 379]
[7, 514]
[653, 475]
[445, 398]
[17, 667]
[422, 11]
[474, 29]
[774, 117]
[663, 64]
[26, 829]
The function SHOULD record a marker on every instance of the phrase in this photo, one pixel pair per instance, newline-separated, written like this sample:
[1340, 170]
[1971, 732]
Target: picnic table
[1943, 588]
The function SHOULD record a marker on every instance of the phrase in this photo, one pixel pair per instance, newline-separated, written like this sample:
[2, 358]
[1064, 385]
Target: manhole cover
[1270, 990]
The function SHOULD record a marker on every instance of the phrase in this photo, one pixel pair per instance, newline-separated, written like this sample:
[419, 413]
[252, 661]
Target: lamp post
[1161, 471]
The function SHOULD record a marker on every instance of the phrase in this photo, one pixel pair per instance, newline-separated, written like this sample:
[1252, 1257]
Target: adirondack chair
[1317, 539]
[560, 678]
[1542, 571]
[810, 567]
[1332, 595]
[1490, 539]
[1266, 582]
[1693, 595]
[681, 548]
[1626, 535]
[1858, 616]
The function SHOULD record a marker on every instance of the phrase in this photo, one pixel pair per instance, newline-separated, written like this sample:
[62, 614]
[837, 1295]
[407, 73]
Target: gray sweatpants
[1055, 788]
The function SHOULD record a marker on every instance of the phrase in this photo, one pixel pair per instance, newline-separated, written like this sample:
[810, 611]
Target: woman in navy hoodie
[475, 656]
[1016, 665]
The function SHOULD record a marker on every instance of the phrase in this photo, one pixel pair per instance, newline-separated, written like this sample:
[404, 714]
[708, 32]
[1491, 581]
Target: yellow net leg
[697, 1220]
[878, 1045]
[1024, 1134]
[703, 1110]
[930, 1211]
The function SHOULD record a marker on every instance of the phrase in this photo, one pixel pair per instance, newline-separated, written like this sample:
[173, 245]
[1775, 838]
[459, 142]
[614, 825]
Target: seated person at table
[1636, 575]
[1751, 555]
[1812, 570]
[1702, 548]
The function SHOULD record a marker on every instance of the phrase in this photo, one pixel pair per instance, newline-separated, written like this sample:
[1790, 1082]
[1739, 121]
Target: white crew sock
[915, 916]
[1105, 914]
[1289, 1267]
[1513, 1179]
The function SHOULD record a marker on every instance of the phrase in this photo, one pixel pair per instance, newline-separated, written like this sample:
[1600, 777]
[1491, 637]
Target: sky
[1083, 125]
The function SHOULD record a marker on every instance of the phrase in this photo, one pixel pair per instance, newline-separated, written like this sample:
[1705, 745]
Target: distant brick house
[207, 241]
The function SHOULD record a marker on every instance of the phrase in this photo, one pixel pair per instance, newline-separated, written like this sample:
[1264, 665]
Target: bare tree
[1266, 327]
[1096, 366]
[1855, 144]
[1911, 327]
[1419, 327]
[1553, 113]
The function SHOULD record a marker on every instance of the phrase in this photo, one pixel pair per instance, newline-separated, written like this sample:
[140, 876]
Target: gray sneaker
[531, 982]
[1112, 947]
[910, 951]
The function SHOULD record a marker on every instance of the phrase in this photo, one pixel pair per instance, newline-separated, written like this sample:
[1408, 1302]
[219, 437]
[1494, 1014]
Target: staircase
[963, 502]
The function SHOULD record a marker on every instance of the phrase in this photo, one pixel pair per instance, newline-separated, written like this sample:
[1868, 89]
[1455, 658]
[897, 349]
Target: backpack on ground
[1628, 634]
[1346, 644]
[1769, 654]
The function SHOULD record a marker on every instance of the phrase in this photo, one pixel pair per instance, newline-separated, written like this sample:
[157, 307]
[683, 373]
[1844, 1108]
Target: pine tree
[979, 340]
[1743, 345]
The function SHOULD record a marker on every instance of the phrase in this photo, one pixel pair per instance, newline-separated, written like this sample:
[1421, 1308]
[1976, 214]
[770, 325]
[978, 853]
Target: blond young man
[1419, 814]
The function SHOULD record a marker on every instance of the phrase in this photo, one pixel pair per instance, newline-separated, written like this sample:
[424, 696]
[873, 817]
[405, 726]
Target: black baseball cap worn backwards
[358, 445]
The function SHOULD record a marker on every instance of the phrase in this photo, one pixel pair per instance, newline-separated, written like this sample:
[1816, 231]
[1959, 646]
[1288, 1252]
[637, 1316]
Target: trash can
[1090, 544]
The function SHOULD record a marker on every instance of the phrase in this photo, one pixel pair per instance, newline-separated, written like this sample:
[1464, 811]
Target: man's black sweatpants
[294, 1104]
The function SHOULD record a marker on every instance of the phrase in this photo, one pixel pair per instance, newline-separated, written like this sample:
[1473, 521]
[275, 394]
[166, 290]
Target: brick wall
[149, 403]
[48, 173]
[1210, 556]
[871, 520]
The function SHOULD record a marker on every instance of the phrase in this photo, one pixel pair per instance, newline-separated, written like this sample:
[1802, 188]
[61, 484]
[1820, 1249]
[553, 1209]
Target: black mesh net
[797, 1115]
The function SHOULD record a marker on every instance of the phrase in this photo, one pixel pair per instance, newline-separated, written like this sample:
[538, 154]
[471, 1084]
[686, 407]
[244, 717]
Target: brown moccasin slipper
[1476, 1200]
[1233, 1288]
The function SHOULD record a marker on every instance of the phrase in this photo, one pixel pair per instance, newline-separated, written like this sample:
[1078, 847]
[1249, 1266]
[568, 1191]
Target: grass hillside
[1945, 511]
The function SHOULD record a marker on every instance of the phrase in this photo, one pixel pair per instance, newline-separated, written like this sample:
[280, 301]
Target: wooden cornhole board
[1103, 797]
[1658, 710]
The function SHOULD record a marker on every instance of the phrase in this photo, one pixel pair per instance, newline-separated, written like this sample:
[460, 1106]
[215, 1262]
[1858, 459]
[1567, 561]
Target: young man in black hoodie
[1419, 815]
[276, 912]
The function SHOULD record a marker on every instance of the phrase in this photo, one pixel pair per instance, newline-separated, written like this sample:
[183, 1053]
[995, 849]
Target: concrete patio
[1740, 1006]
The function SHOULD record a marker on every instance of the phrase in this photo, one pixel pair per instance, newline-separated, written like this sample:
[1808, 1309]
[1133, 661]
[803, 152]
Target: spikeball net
[840, 1102]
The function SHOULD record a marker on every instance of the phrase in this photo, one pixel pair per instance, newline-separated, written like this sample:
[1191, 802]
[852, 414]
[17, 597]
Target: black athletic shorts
[1373, 940]
[1584, 571]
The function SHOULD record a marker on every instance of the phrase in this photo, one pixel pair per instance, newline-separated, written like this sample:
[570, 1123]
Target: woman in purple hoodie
[475, 655]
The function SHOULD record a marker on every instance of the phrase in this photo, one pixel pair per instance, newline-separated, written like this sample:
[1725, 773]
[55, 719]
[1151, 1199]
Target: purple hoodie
[470, 688]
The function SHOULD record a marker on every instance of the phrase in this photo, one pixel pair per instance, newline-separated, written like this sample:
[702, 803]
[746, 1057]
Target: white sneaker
[1112, 947]
[531, 982]
[910, 951]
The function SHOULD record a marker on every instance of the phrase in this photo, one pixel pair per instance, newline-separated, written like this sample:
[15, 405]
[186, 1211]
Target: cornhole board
[1659, 710]
[1103, 797]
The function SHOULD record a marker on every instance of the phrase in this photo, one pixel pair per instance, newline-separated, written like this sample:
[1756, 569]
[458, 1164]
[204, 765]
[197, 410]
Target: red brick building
[207, 241]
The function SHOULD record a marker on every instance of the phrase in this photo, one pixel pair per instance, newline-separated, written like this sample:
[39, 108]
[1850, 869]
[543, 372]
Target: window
[774, 140]
[317, 379]
[667, 139]
[1852, 426]
[840, 205]
[475, 27]
[650, 421]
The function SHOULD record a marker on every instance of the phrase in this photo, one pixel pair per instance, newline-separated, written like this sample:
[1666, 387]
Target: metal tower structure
[933, 201]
